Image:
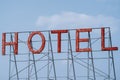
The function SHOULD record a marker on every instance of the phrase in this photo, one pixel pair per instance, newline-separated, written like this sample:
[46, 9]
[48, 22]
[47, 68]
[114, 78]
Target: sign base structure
[74, 54]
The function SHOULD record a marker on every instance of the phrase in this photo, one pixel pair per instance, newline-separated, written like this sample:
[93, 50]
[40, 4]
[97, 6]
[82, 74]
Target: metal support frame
[34, 63]
[16, 68]
[112, 54]
[72, 59]
[92, 58]
[52, 56]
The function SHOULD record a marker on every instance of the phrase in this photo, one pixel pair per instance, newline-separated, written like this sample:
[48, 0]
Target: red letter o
[29, 42]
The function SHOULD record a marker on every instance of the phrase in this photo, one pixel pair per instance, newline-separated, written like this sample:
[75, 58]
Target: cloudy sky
[28, 15]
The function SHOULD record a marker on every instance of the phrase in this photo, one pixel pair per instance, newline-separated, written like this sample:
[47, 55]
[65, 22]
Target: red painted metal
[103, 42]
[78, 40]
[29, 42]
[13, 43]
[59, 32]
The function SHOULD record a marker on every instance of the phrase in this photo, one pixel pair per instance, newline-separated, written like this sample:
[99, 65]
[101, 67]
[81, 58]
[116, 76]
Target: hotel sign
[58, 33]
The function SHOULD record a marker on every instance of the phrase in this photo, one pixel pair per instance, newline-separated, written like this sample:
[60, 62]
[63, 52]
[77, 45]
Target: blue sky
[27, 15]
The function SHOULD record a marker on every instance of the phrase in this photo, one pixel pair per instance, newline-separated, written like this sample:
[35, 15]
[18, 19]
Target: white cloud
[66, 20]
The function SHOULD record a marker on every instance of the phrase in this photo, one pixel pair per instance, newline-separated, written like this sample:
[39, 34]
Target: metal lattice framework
[67, 65]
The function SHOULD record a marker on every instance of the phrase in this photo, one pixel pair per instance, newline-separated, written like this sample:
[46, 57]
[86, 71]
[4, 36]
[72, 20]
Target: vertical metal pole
[112, 55]
[52, 56]
[48, 66]
[29, 66]
[15, 60]
[16, 67]
[88, 73]
[10, 62]
[48, 59]
[69, 39]
[92, 56]
[109, 65]
[34, 65]
[109, 58]
[68, 72]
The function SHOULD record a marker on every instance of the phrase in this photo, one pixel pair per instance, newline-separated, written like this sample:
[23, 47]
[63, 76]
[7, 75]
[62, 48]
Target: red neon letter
[29, 42]
[59, 32]
[78, 40]
[13, 43]
[103, 42]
